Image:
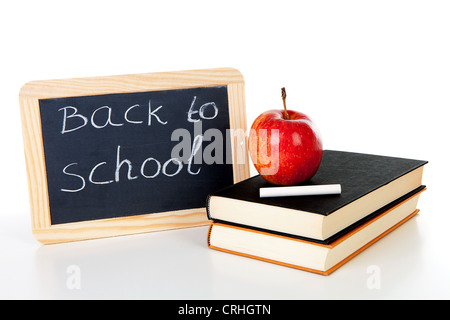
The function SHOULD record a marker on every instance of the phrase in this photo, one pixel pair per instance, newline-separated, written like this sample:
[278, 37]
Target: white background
[374, 75]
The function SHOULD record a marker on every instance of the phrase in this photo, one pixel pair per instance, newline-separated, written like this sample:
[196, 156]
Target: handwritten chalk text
[102, 117]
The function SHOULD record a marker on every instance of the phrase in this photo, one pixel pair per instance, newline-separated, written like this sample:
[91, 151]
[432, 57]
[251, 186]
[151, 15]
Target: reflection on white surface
[178, 265]
[154, 266]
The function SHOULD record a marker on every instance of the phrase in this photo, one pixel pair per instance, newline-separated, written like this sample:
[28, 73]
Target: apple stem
[283, 95]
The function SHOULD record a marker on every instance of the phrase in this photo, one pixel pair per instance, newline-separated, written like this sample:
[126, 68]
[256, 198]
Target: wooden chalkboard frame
[32, 92]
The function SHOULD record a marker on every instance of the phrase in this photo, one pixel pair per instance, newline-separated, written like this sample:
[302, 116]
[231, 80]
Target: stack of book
[318, 233]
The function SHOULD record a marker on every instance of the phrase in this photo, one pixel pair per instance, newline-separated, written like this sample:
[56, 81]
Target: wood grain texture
[130, 83]
[29, 97]
[238, 121]
[121, 226]
[35, 163]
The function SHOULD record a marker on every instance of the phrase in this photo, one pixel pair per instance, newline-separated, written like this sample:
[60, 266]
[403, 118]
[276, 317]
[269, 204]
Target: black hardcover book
[369, 183]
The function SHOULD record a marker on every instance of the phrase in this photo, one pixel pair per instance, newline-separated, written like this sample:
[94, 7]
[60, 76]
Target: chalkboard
[141, 155]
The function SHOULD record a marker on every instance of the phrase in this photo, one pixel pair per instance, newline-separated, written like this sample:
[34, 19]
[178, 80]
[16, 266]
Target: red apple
[285, 146]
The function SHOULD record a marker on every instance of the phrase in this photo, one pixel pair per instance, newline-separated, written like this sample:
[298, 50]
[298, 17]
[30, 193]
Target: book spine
[208, 212]
[208, 238]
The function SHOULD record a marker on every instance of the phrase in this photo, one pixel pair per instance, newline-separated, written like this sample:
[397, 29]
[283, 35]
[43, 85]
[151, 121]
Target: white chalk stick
[293, 191]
